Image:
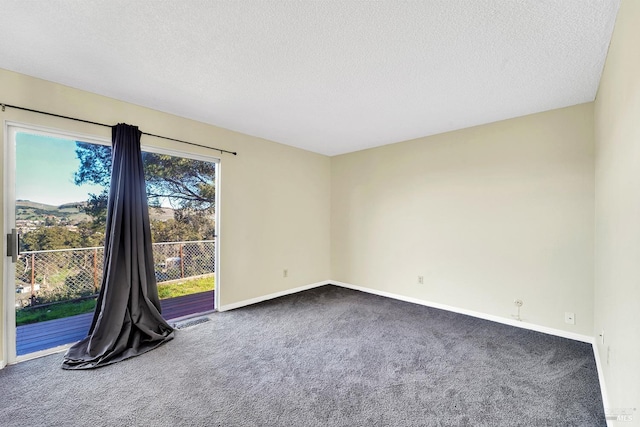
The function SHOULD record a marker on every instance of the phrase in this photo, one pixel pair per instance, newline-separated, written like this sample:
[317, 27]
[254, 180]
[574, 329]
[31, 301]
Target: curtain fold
[127, 321]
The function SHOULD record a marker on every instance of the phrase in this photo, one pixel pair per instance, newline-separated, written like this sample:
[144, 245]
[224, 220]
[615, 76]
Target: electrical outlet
[285, 273]
[569, 318]
[421, 280]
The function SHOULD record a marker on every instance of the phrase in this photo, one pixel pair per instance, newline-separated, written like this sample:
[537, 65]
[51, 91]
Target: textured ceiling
[327, 76]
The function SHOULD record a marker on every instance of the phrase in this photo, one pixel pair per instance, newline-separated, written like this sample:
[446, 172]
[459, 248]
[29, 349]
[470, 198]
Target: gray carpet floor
[324, 357]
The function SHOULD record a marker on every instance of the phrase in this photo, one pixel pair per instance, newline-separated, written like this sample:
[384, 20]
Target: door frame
[11, 128]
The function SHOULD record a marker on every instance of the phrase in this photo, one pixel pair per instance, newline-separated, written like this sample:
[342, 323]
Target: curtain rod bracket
[3, 108]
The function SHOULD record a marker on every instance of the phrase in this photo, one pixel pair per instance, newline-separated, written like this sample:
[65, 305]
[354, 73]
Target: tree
[95, 168]
[173, 231]
[50, 221]
[47, 238]
[187, 185]
[91, 234]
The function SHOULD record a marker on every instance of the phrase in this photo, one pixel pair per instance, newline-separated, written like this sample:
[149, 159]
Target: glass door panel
[59, 205]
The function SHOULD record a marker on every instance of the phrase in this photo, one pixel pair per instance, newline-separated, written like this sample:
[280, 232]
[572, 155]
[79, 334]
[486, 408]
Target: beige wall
[274, 198]
[486, 215]
[617, 272]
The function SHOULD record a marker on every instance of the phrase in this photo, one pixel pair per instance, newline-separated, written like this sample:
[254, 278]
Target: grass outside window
[175, 289]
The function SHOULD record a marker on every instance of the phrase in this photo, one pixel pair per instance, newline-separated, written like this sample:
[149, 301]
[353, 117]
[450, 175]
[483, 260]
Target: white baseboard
[256, 300]
[480, 315]
[603, 387]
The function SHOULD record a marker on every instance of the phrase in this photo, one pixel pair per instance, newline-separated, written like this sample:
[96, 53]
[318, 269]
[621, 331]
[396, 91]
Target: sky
[45, 168]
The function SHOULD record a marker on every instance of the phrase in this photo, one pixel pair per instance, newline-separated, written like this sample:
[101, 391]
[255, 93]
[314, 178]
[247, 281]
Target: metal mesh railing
[68, 274]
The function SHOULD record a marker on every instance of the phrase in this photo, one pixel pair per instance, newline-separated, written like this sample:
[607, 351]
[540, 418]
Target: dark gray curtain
[127, 320]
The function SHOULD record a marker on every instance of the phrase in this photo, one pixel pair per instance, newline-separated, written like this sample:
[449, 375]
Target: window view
[62, 188]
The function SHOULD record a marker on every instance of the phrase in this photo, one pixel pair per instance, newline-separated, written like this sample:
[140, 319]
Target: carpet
[324, 357]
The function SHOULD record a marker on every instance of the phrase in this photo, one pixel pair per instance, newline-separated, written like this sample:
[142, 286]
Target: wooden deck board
[52, 333]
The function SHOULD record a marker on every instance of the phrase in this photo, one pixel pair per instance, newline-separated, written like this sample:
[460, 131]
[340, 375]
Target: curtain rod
[105, 125]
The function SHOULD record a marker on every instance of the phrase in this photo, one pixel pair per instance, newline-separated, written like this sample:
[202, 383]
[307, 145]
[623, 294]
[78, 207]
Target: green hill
[70, 212]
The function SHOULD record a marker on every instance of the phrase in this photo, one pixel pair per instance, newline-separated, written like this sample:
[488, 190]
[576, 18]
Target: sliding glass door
[56, 194]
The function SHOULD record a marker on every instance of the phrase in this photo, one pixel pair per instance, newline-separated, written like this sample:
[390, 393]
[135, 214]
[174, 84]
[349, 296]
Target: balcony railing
[44, 277]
